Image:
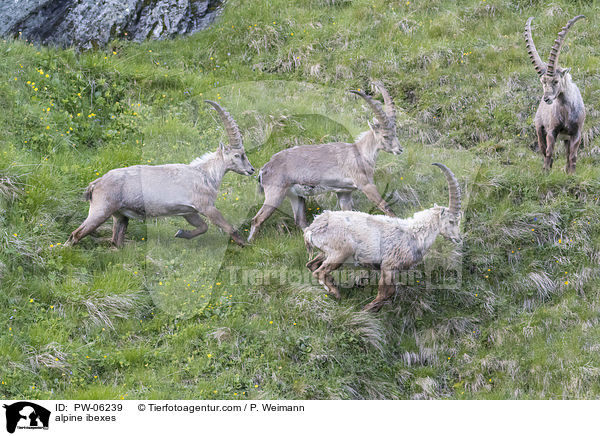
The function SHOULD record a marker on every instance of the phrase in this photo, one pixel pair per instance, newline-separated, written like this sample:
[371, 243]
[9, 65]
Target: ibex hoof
[240, 242]
[180, 234]
[372, 307]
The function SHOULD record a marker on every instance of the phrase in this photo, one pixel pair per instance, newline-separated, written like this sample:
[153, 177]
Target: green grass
[168, 318]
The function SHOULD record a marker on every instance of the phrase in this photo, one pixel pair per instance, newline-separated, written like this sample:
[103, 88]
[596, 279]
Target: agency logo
[26, 415]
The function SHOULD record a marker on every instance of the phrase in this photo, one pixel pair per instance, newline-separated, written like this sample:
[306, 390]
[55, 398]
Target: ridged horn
[538, 64]
[453, 188]
[389, 108]
[558, 43]
[233, 132]
[376, 106]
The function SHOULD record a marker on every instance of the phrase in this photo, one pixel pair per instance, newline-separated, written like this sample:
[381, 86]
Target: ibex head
[234, 155]
[450, 216]
[552, 76]
[384, 123]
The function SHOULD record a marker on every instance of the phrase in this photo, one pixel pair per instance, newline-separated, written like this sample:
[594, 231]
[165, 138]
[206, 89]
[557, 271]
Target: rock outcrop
[93, 23]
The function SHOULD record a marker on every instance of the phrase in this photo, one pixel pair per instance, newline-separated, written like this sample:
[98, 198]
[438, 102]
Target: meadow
[205, 319]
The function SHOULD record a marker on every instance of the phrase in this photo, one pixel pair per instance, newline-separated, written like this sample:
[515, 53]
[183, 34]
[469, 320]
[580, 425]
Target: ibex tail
[89, 190]
[261, 190]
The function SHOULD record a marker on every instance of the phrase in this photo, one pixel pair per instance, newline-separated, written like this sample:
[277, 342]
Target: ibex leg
[331, 263]
[345, 200]
[572, 149]
[548, 160]
[387, 288]
[541, 135]
[195, 220]
[314, 264]
[273, 199]
[119, 227]
[299, 209]
[95, 218]
[218, 220]
[372, 194]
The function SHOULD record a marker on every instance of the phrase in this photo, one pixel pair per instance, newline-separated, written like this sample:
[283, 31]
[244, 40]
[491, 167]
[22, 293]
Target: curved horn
[235, 137]
[375, 105]
[390, 109]
[538, 64]
[558, 43]
[453, 187]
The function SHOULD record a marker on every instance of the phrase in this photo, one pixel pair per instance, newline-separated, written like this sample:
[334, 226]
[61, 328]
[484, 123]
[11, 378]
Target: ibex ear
[370, 126]
[564, 71]
[443, 212]
[221, 146]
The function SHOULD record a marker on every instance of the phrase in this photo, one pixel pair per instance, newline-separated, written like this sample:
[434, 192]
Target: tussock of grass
[20, 247]
[50, 356]
[9, 187]
[103, 310]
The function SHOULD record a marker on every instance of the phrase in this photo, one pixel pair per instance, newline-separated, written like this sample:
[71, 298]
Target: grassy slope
[165, 318]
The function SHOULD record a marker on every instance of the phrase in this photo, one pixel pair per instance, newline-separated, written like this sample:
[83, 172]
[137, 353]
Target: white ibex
[340, 167]
[561, 112]
[142, 191]
[376, 241]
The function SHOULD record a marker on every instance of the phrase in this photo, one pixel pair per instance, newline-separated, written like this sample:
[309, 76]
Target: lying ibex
[561, 113]
[376, 241]
[340, 167]
[142, 191]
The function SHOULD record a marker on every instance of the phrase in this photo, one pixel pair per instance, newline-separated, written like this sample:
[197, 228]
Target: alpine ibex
[340, 167]
[561, 112]
[376, 241]
[142, 191]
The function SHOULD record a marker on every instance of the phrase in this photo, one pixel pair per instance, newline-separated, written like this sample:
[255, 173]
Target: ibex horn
[235, 137]
[540, 67]
[390, 109]
[376, 106]
[453, 188]
[558, 43]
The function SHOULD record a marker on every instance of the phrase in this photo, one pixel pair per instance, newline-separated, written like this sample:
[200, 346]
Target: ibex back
[307, 170]
[143, 191]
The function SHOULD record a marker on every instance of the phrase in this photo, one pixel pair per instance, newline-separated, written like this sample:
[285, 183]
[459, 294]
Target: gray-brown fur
[307, 170]
[561, 112]
[377, 241]
[143, 191]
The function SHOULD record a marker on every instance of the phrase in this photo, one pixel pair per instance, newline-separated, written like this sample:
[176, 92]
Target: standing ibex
[561, 113]
[142, 191]
[340, 167]
[390, 244]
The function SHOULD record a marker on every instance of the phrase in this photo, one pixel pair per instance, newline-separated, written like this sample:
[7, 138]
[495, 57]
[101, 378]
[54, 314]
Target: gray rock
[93, 23]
